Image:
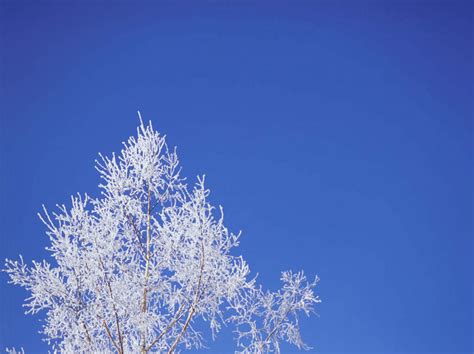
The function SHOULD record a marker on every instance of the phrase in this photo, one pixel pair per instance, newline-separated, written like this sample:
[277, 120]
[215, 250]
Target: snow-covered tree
[149, 264]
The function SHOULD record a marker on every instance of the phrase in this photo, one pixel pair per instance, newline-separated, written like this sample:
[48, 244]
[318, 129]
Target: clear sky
[336, 134]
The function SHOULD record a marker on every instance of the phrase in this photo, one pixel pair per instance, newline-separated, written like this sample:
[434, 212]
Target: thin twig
[137, 233]
[113, 306]
[274, 330]
[193, 305]
[147, 265]
[87, 334]
[176, 318]
[110, 336]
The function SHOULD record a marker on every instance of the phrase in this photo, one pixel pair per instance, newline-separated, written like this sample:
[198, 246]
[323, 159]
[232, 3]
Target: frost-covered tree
[149, 264]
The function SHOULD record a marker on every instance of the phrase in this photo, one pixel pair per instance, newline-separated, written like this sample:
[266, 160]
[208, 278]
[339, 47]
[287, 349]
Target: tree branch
[120, 350]
[147, 265]
[110, 336]
[87, 334]
[137, 233]
[193, 305]
[179, 314]
[273, 331]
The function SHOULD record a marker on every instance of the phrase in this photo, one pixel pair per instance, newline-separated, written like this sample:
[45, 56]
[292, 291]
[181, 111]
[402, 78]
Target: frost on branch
[264, 319]
[14, 351]
[149, 264]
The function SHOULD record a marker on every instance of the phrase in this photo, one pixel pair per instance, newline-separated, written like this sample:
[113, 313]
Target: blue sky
[336, 134]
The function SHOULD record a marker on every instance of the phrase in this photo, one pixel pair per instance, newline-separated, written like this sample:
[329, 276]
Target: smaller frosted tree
[149, 264]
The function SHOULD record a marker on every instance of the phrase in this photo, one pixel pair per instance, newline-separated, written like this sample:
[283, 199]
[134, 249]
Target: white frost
[142, 267]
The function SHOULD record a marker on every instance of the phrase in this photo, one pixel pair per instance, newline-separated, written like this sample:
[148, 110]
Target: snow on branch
[149, 264]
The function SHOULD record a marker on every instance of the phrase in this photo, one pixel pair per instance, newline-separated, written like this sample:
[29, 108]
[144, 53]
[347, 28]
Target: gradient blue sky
[336, 134]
